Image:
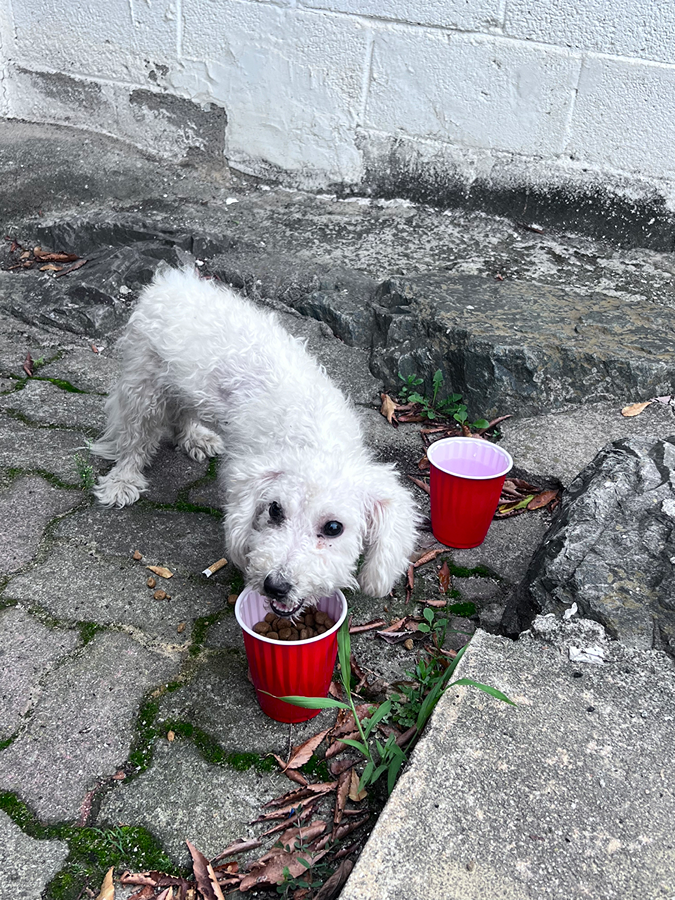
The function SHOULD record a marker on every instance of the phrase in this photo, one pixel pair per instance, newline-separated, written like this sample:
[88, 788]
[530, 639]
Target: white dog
[303, 497]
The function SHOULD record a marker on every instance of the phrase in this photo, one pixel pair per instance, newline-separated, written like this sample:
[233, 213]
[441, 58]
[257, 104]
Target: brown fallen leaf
[542, 499]
[395, 626]
[161, 571]
[237, 847]
[341, 795]
[200, 866]
[107, 891]
[300, 819]
[355, 795]
[367, 626]
[438, 604]
[338, 766]
[166, 894]
[428, 556]
[149, 878]
[492, 424]
[420, 484]
[180, 628]
[332, 887]
[269, 869]
[50, 267]
[325, 787]
[28, 365]
[409, 583]
[48, 256]
[423, 464]
[294, 838]
[145, 893]
[303, 752]
[338, 747]
[77, 265]
[388, 409]
[295, 776]
[635, 409]
[444, 578]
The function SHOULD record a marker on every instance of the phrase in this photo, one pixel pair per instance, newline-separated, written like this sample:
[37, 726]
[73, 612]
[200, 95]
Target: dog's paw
[199, 442]
[115, 489]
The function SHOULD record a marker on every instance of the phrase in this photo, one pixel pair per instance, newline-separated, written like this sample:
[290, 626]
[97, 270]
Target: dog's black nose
[276, 587]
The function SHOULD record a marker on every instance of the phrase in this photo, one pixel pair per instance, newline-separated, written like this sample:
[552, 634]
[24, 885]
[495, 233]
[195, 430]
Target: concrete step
[569, 794]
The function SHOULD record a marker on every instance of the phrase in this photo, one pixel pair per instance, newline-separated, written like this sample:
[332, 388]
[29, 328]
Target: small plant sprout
[433, 678]
[85, 471]
[433, 408]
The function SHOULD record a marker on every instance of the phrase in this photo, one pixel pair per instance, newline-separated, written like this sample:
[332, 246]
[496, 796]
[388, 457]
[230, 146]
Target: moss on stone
[91, 850]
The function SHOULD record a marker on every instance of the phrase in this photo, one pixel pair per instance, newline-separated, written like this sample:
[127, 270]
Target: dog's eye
[276, 513]
[333, 529]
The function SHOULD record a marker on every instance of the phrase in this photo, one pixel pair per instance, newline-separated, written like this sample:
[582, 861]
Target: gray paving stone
[183, 797]
[220, 699]
[84, 369]
[28, 650]
[45, 404]
[46, 449]
[83, 725]
[185, 542]
[75, 585]
[562, 444]
[17, 338]
[29, 504]
[569, 794]
[170, 472]
[26, 865]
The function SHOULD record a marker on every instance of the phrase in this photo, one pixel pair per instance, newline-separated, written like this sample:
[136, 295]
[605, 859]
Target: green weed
[450, 407]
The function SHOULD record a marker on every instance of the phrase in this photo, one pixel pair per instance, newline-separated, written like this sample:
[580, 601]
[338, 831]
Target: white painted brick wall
[309, 85]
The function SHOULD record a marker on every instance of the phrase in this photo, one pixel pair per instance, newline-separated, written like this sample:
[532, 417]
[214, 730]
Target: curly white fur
[227, 378]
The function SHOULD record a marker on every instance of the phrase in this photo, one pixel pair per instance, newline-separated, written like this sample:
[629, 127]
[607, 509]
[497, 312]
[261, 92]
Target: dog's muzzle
[277, 590]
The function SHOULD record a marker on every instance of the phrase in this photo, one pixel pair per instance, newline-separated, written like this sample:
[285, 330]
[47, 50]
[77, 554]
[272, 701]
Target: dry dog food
[307, 625]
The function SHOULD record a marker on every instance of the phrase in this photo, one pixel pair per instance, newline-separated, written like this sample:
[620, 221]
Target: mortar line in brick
[179, 28]
[574, 93]
[367, 76]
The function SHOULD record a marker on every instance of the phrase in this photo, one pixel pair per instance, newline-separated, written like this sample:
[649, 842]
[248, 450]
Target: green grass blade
[493, 692]
[383, 710]
[344, 655]
[311, 702]
[357, 745]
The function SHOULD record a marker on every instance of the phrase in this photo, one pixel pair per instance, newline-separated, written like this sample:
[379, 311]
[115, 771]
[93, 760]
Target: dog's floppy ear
[391, 522]
[243, 495]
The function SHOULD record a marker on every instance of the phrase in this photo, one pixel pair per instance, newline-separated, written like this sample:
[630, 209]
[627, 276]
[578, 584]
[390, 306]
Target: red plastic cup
[467, 475]
[285, 668]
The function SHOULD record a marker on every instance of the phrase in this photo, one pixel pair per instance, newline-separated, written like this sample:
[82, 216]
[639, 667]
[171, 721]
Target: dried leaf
[438, 604]
[149, 878]
[542, 499]
[337, 747]
[338, 766]
[388, 409]
[145, 893]
[355, 795]
[303, 752]
[342, 793]
[269, 869]
[200, 867]
[368, 626]
[332, 887]
[77, 265]
[516, 504]
[237, 847]
[47, 256]
[161, 571]
[312, 790]
[295, 776]
[301, 835]
[50, 267]
[107, 891]
[428, 556]
[347, 828]
[166, 894]
[444, 577]
[395, 626]
[420, 484]
[635, 409]
[28, 366]
[423, 464]
[492, 424]
[409, 583]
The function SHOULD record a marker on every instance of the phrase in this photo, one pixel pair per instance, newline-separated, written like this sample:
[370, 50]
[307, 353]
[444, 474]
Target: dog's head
[298, 536]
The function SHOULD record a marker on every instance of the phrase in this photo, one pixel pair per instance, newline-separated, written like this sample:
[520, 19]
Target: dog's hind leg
[136, 413]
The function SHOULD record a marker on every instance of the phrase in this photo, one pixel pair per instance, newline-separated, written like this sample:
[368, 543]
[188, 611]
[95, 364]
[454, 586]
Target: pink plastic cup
[467, 475]
[285, 668]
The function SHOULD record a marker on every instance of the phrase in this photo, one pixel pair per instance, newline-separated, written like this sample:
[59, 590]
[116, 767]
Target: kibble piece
[408, 644]
[262, 628]
[232, 599]
[295, 635]
[137, 555]
[309, 620]
[320, 629]
[151, 582]
[269, 618]
[329, 623]
[320, 618]
[272, 635]
[160, 595]
[304, 634]
[285, 634]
